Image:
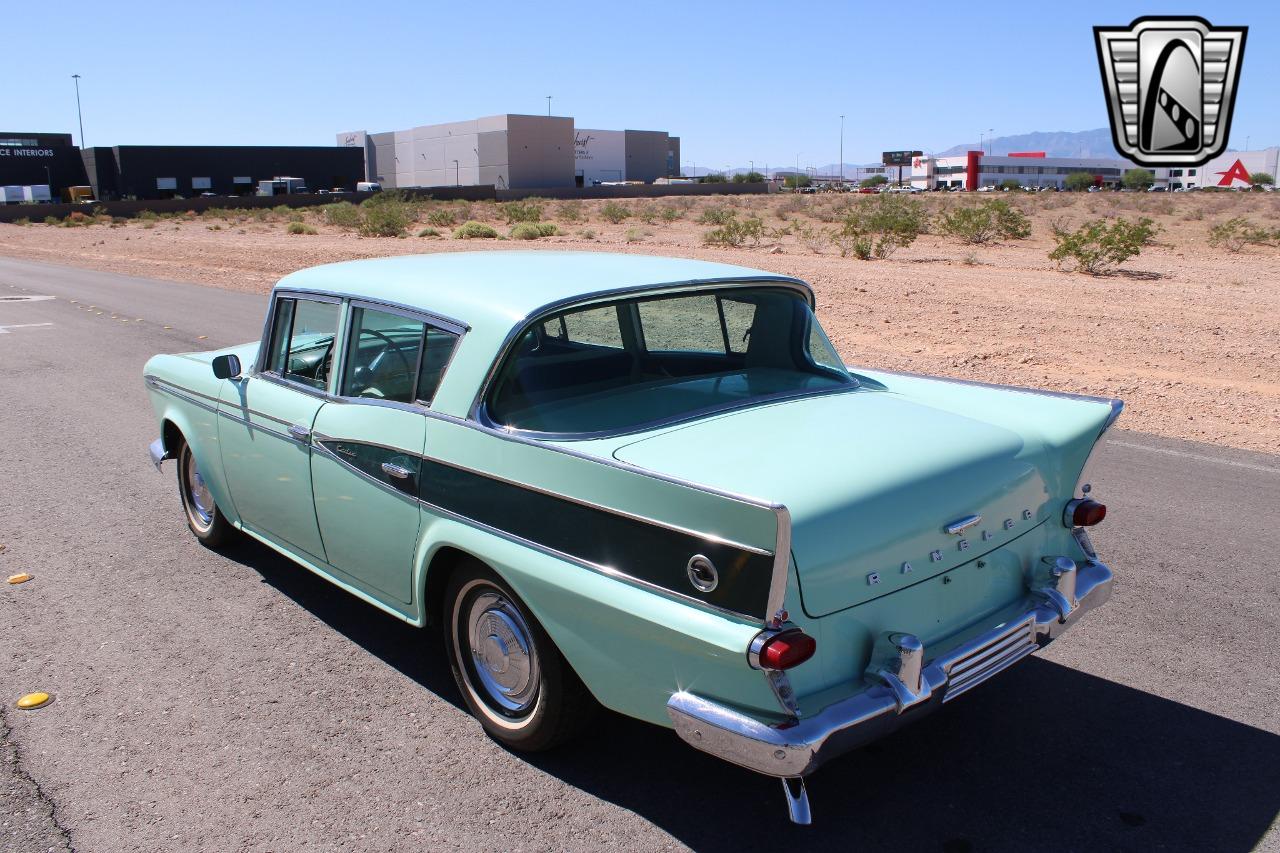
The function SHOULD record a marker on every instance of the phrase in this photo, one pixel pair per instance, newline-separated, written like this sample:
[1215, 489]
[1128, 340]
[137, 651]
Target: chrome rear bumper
[897, 695]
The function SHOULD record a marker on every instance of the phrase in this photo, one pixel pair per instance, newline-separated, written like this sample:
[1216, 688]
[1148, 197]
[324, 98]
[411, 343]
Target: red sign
[1237, 172]
[1026, 154]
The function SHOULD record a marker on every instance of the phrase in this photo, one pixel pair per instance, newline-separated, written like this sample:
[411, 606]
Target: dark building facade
[27, 159]
[167, 171]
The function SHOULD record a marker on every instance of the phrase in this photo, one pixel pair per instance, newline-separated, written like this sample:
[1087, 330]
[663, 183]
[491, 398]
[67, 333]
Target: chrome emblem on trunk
[960, 525]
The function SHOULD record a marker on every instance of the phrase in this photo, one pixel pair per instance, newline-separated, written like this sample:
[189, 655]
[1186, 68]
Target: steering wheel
[392, 346]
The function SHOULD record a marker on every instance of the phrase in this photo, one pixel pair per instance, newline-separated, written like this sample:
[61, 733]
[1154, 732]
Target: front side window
[655, 359]
[302, 340]
[393, 357]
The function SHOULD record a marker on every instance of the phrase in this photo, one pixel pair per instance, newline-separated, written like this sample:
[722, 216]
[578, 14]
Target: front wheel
[513, 678]
[204, 518]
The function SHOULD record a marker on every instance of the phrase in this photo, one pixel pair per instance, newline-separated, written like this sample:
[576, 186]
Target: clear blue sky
[737, 81]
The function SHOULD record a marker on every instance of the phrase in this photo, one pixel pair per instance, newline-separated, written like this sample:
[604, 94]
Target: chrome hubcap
[198, 497]
[502, 654]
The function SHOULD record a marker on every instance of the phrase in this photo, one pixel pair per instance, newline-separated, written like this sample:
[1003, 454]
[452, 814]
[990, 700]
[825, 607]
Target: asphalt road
[210, 702]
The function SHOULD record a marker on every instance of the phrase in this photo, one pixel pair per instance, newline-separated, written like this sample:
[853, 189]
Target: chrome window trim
[425, 317]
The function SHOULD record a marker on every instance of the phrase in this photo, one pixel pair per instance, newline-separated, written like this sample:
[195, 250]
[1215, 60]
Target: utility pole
[457, 174]
[79, 116]
[548, 106]
[841, 152]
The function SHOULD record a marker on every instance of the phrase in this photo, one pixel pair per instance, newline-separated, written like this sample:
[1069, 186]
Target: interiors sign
[25, 152]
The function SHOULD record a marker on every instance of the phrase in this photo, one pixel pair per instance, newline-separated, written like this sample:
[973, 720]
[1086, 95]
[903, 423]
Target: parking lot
[235, 702]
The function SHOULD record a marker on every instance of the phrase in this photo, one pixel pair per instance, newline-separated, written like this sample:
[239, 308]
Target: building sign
[600, 155]
[899, 158]
[26, 152]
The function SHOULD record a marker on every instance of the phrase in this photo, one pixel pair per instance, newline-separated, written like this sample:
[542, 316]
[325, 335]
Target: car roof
[501, 288]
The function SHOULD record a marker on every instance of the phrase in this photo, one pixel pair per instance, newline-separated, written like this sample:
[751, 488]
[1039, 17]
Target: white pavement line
[4, 330]
[1196, 456]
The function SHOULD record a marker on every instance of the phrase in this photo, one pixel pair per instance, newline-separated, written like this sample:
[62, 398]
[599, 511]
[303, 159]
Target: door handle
[299, 432]
[393, 470]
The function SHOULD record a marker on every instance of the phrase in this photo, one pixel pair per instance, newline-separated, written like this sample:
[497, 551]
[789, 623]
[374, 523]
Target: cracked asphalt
[211, 702]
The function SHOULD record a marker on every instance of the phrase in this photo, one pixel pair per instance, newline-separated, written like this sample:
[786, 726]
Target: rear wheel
[204, 518]
[513, 678]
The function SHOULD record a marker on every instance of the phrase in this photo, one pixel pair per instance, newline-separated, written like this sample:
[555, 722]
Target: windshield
[624, 365]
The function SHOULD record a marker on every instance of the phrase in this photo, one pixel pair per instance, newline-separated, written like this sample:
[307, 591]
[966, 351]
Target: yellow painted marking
[34, 700]
[20, 577]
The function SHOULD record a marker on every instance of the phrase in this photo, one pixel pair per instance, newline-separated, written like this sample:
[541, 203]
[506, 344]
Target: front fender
[631, 647]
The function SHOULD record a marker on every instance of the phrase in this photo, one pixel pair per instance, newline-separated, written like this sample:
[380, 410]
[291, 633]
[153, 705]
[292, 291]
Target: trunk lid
[871, 478]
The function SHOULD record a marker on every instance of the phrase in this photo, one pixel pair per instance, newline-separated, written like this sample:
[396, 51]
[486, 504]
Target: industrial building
[46, 159]
[513, 152]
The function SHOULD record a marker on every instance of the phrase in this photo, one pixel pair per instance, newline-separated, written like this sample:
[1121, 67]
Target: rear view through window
[630, 364]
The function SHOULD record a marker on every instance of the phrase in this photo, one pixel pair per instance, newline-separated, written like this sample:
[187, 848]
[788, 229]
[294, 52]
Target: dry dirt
[1186, 334]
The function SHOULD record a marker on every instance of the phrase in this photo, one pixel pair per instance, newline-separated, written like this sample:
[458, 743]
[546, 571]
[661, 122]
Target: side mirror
[226, 367]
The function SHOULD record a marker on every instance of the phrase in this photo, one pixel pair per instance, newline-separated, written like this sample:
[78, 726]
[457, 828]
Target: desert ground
[1186, 333]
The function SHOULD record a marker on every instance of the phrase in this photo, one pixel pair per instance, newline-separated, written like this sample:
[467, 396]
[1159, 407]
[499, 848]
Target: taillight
[783, 650]
[1084, 512]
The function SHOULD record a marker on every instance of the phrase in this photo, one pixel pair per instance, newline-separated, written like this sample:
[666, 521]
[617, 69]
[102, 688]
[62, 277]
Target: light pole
[988, 133]
[457, 174]
[548, 106]
[795, 183]
[841, 152]
[80, 117]
[48, 176]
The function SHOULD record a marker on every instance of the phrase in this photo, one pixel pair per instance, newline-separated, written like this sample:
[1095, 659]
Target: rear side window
[686, 324]
[393, 357]
[302, 340]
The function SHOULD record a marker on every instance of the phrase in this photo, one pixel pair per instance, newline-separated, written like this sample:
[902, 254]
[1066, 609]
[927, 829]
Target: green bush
[873, 181]
[1236, 232]
[795, 181]
[670, 213]
[301, 228]
[1009, 184]
[637, 235]
[472, 230]
[713, 178]
[1101, 244]
[52, 220]
[145, 215]
[614, 212]
[985, 222]
[428, 232]
[716, 216]
[735, 232]
[342, 214]
[1138, 179]
[533, 230]
[529, 210]
[569, 211]
[1078, 182]
[385, 219]
[22, 220]
[882, 226]
[1262, 179]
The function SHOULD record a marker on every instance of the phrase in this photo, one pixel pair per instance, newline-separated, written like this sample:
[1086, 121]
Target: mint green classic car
[644, 483]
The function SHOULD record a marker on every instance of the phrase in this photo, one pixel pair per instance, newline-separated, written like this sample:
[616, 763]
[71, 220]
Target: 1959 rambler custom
[647, 483]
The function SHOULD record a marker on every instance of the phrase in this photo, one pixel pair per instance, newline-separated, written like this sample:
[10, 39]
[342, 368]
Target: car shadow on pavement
[416, 653]
[1043, 757]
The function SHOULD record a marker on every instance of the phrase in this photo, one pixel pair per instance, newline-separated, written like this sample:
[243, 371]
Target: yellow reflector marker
[34, 700]
[20, 577]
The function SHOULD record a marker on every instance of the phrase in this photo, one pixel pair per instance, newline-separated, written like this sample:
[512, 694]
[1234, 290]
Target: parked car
[645, 483]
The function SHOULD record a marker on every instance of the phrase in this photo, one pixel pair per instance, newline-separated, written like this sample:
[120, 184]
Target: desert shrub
[815, 239]
[587, 234]
[282, 210]
[792, 206]
[1009, 184]
[859, 245]
[873, 181]
[22, 220]
[889, 223]
[443, 217]
[713, 178]
[670, 213]
[148, 215]
[716, 216]
[647, 213]
[300, 228]
[1101, 244]
[1237, 232]
[529, 210]
[985, 222]
[533, 230]
[428, 232]
[75, 218]
[472, 230]
[569, 211]
[1195, 214]
[342, 214]
[385, 219]
[735, 232]
[637, 235]
[52, 220]
[614, 212]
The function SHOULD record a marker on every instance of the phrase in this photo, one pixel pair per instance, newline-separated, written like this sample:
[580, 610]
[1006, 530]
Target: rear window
[634, 363]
